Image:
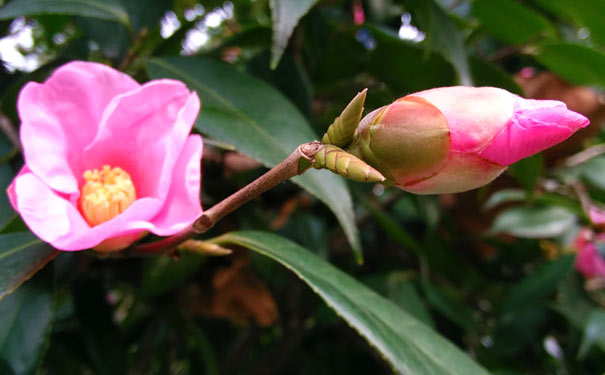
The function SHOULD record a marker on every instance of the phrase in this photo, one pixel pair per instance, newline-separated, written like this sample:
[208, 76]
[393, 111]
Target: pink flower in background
[106, 159]
[590, 260]
[453, 139]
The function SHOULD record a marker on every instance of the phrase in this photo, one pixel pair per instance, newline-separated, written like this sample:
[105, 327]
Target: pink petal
[460, 173]
[590, 262]
[143, 132]
[535, 126]
[474, 114]
[57, 221]
[182, 205]
[596, 215]
[61, 116]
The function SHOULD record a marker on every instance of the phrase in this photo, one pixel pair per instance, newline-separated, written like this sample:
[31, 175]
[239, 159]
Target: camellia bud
[453, 139]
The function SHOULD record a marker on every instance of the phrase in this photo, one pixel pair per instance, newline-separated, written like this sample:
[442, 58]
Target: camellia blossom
[453, 139]
[106, 159]
[590, 260]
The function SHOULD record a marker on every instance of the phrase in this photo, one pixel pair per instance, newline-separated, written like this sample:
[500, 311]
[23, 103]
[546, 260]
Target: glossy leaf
[578, 64]
[260, 122]
[285, 14]
[106, 10]
[534, 222]
[25, 319]
[537, 286]
[443, 36]
[594, 332]
[405, 66]
[511, 21]
[588, 13]
[21, 255]
[504, 196]
[408, 345]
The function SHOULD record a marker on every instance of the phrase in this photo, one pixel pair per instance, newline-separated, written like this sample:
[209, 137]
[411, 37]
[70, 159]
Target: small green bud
[345, 164]
[340, 133]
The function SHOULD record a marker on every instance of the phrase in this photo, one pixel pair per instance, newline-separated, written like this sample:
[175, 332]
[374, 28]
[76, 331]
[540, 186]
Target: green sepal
[340, 133]
[345, 164]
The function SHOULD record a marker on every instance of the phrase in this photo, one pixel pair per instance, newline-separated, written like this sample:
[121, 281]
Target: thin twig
[10, 132]
[585, 155]
[283, 171]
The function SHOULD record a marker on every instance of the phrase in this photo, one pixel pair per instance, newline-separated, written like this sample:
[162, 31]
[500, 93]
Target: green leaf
[592, 172]
[588, 13]
[162, 274]
[486, 74]
[443, 36]
[576, 63]
[511, 21]
[25, 320]
[534, 222]
[6, 211]
[285, 14]
[101, 336]
[594, 332]
[504, 196]
[449, 305]
[405, 66]
[106, 10]
[21, 255]
[536, 287]
[251, 115]
[408, 345]
[527, 172]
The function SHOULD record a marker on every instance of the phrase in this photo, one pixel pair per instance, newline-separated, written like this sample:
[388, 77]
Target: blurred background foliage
[491, 270]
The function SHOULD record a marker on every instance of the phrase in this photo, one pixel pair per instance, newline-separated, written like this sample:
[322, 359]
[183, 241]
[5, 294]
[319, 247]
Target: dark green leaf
[594, 332]
[107, 10]
[588, 13]
[146, 14]
[527, 171]
[511, 21]
[576, 63]
[405, 66]
[6, 211]
[443, 36]
[408, 345]
[25, 319]
[486, 74]
[449, 305]
[162, 274]
[592, 172]
[535, 288]
[101, 336]
[286, 14]
[534, 222]
[259, 121]
[21, 255]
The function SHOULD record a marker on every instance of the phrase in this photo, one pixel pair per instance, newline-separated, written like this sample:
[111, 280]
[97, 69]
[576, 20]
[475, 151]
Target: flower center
[106, 194]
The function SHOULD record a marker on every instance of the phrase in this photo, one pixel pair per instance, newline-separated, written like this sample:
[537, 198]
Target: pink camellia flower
[106, 159]
[590, 260]
[453, 139]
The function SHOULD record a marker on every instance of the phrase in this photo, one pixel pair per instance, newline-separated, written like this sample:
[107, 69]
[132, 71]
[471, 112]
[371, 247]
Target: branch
[290, 167]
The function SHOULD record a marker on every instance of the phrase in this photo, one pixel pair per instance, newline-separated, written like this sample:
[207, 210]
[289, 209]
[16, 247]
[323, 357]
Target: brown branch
[285, 170]
[585, 155]
[10, 132]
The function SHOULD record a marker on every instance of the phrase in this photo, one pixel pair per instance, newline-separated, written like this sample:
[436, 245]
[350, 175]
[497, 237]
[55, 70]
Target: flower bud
[453, 139]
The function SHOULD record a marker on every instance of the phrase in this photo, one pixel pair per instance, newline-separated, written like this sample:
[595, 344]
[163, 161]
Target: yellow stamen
[106, 194]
